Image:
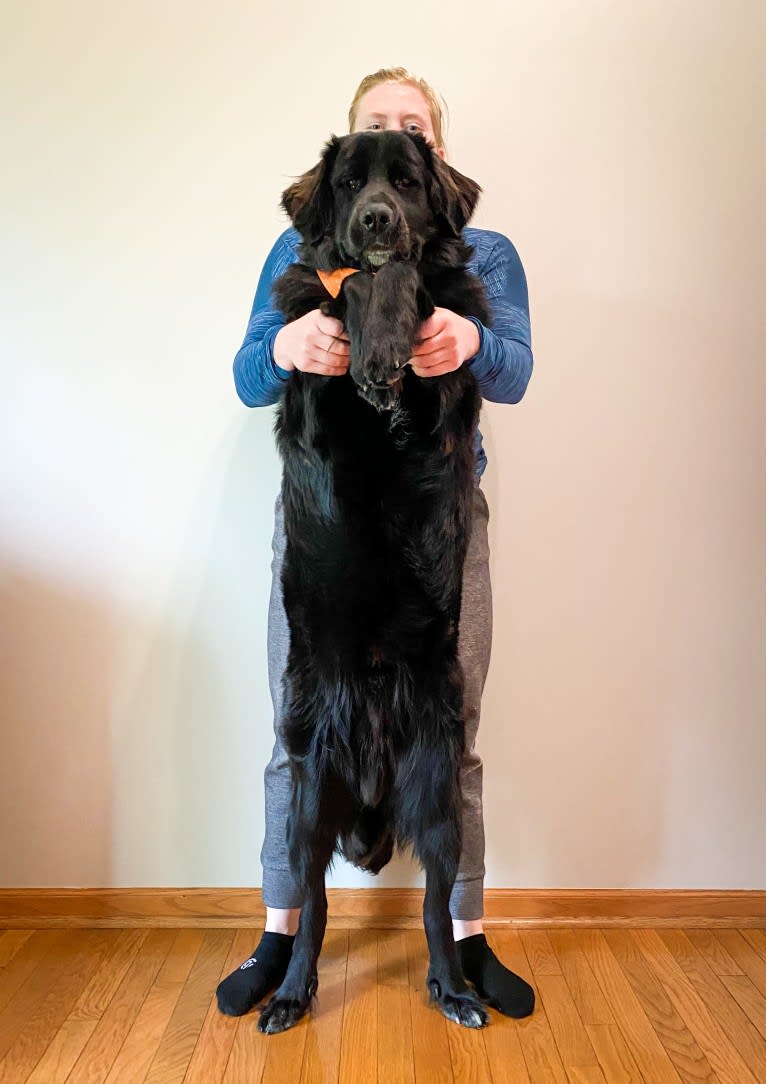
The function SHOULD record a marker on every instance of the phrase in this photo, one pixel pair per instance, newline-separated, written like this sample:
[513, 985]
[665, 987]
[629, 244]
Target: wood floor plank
[395, 1057]
[678, 1041]
[749, 959]
[216, 1038]
[56, 1064]
[432, 1060]
[717, 958]
[10, 943]
[182, 1031]
[359, 1042]
[757, 939]
[728, 1065]
[585, 990]
[103, 1046]
[610, 1048]
[115, 950]
[248, 1051]
[539, 951]
[574, 1046]
[284, 1054]
[68, 972]
[614, 1006]
[30, 957]
[123, 950]
[468, 1054]
[586, 1074]
[748, 998]
[321, 1058]
[649, 1054]
[71, 1038]
[742, 1033]
[140, 1046]
[615, 1059]
[541, 1054]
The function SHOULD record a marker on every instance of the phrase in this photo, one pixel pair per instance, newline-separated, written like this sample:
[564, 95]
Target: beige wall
[620, 146]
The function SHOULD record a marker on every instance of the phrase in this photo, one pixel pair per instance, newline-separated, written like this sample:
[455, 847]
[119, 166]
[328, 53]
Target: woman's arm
[258, 379]
[273, 347]
[503, 363]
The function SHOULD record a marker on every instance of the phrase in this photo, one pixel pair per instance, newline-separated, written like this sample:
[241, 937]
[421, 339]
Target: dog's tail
[370, 842]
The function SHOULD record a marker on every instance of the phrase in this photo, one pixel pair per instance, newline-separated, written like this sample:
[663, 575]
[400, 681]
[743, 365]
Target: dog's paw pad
[280, 1014]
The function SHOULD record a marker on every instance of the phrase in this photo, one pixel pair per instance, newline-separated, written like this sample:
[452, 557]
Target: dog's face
[376, 196]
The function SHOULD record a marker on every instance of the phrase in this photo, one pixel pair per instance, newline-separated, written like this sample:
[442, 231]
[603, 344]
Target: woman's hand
[314, 343]
[445, 341]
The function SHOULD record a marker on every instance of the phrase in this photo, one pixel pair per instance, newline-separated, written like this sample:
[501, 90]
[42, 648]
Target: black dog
[379, 472]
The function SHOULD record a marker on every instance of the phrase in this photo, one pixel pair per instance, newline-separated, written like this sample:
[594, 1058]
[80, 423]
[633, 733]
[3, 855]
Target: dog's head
[374, 196]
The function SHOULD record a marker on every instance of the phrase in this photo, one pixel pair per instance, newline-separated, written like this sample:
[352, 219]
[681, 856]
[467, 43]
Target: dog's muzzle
[377, 232]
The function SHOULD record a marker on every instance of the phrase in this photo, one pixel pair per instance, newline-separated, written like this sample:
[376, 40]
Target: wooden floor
[614, 1005]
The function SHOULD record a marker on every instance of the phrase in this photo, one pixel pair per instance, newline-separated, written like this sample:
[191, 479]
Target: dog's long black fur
[378, 480]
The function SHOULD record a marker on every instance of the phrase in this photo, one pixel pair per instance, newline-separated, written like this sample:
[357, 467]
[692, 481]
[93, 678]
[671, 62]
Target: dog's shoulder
[446, 276]
[298, 290]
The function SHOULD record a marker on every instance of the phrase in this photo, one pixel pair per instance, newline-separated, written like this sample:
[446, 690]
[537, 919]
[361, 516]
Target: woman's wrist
[279, 353]
[474, 339]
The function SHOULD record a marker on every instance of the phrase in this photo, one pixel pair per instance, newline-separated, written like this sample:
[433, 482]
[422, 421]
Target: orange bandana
[333, 280]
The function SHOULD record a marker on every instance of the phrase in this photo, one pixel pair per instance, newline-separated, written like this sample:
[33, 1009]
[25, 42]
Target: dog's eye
[353, 183]
[405, 182]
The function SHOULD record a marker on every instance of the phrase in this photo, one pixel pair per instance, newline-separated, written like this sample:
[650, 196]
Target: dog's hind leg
[430, 808]
[445, 981]
[312, 843]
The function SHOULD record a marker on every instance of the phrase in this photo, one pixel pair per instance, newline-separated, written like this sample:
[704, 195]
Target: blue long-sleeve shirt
[502, 365]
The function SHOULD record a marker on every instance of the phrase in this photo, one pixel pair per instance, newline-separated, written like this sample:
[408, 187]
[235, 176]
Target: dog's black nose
[376, 217]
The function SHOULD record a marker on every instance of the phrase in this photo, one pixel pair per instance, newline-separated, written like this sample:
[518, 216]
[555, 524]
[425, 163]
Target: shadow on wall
[574, 731]
[195, 731]
[197, 726]
[627, 683]
[135, 741]
[55, 771]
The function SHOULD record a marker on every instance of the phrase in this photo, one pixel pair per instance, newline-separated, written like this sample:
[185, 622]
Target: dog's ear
[454, 196]
[309, 201]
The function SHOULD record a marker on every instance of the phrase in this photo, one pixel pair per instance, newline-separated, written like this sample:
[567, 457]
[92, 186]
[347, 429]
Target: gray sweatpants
[475, 638]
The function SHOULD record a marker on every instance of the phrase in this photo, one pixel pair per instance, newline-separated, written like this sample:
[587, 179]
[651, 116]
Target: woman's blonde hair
[437, 107]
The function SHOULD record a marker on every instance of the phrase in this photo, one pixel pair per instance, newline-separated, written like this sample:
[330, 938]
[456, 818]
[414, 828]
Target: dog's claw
[464, 1009]
[469, 1015]
[281, 1014]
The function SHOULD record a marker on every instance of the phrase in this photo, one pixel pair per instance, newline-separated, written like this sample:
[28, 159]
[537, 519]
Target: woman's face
[396, 107]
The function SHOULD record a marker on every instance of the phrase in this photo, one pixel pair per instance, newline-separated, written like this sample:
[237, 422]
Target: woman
[501, 360]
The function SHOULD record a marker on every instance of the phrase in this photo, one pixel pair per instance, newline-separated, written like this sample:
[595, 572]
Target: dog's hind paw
[464, 1009]
[280, 1014]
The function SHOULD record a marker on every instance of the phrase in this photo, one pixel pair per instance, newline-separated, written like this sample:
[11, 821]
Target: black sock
[263, 971]
[502, 989]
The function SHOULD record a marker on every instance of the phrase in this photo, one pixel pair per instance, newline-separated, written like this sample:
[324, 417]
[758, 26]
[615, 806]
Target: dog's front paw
[465, 1008]
[285, 1010]
[280, 1014]
[378, 365]
[385, 357]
